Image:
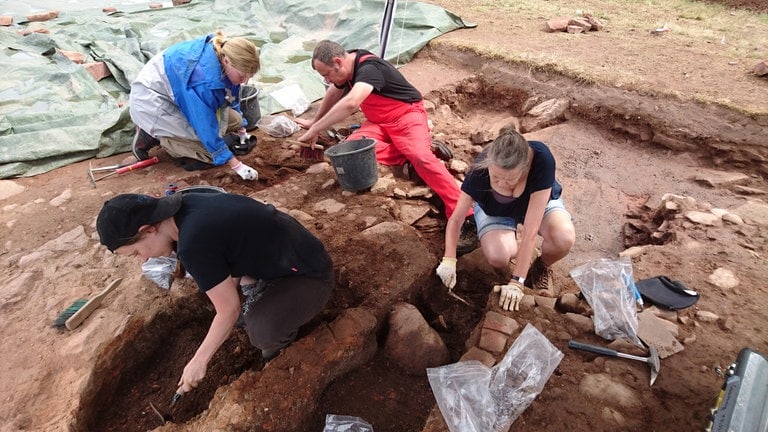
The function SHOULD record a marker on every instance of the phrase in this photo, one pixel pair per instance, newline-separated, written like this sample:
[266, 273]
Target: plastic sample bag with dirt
[54, 112]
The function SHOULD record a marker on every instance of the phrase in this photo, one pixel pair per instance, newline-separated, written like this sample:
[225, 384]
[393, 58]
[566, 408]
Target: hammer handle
[137, 165]
[602, 350]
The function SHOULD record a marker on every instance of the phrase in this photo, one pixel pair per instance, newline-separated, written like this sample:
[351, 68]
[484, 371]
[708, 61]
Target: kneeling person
[225, 241]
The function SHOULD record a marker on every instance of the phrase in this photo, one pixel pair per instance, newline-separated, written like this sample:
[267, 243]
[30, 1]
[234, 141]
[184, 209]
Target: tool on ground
[457, 297]
[652, 359]
[164, 419]
[80, 309]
[312, 152]
[120, 169]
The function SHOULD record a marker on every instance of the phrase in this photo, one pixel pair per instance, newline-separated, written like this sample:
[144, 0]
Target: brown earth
[619, 151]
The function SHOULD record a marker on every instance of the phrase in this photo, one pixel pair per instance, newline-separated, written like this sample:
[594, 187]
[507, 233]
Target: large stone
[412, 343]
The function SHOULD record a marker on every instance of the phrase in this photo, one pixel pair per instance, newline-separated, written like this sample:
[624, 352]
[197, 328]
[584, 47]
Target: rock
[558, 24]
[702, 218]
[544, 114]
[329, 206]
[706, 316]
[602, 388]
[6, 20]
[761, 68]
[412, 343]
[410, 213]
[477, 354]
[723, 278]
[9, 188]
[658, 333]
[753, 211]
[492, 341]
[746, 190]
[720, 178]
[458, 166]
[62, 199]
[500, 323]
[596, 24]
[633, 252]
[581, 23]
[574, 29]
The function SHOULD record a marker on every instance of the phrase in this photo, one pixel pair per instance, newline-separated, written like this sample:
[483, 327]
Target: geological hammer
[652, 359]
[119, 169]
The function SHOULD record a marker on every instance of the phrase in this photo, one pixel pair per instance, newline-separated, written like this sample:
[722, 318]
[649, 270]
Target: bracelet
[518, 279]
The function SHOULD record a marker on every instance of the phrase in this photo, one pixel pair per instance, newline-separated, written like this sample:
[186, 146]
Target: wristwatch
[518, 278]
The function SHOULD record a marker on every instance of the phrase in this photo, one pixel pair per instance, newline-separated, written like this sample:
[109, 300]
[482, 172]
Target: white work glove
[447, 272]
[245, 172]
[510, 296]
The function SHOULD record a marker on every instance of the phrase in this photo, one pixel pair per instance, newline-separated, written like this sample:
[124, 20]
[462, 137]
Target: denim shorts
[487, 223]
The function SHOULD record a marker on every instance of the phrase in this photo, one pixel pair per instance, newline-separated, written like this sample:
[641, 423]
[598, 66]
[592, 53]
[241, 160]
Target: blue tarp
[53, 112]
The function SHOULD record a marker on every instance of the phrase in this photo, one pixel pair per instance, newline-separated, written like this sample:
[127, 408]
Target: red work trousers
[401, 133]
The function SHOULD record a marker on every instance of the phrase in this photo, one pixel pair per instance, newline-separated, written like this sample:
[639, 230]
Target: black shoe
[467, 241]
[441, 150]
[142, 143]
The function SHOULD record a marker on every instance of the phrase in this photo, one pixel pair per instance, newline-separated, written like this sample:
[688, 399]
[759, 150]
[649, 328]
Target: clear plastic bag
[160, 270]
[475, 398]
[342, 423]
[608, 287]
[278, 126]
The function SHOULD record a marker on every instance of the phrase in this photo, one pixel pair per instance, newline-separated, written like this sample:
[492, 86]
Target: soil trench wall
[721, 137]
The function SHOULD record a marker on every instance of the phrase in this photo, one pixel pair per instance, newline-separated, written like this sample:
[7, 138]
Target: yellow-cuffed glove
[510, 296]
[447, 272]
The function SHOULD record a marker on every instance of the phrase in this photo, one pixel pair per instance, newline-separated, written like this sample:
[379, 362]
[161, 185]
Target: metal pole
[386, 25]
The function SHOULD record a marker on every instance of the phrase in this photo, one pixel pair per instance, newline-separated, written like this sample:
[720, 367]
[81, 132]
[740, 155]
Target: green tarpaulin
[53, 112]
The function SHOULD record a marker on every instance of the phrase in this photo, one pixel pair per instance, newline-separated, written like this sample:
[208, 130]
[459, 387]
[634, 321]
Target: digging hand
[447, 272]
[510, 296]
[245, 172]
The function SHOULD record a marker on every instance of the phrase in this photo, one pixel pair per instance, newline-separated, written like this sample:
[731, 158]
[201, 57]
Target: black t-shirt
[386, 80]
[477, 184]
[226, 234]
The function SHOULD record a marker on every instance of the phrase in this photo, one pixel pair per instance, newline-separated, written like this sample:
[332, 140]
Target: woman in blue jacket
[185, 99]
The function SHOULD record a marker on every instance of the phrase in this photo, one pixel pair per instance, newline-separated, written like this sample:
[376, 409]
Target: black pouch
[666, 293]
[237, 147]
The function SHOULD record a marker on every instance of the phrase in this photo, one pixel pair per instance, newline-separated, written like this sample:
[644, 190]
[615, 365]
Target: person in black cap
[225, 241]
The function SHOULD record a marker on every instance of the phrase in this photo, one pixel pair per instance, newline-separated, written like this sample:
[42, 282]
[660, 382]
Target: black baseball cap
[122, 216]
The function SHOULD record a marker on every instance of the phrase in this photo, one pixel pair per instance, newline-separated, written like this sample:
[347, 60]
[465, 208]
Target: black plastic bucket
[355, 163]
[249, 105]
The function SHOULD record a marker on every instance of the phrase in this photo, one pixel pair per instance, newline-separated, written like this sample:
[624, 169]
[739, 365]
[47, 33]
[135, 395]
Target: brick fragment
[98, 70]
[43, 16]
[76, 57]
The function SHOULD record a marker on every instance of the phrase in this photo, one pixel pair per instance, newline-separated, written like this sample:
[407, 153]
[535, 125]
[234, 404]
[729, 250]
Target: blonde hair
[241, 52]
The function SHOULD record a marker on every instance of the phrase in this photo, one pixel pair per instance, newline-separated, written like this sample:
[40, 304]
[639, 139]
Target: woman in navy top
[513, 182]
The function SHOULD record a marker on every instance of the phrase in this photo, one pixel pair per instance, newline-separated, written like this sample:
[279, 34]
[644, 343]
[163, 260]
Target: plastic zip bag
[342, 423]
[475, 398]
[160, 270]
[608, 287]
[278, 126]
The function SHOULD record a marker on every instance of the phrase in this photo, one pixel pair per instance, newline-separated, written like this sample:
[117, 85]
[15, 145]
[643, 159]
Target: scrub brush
[79, 310]
[312, 152]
